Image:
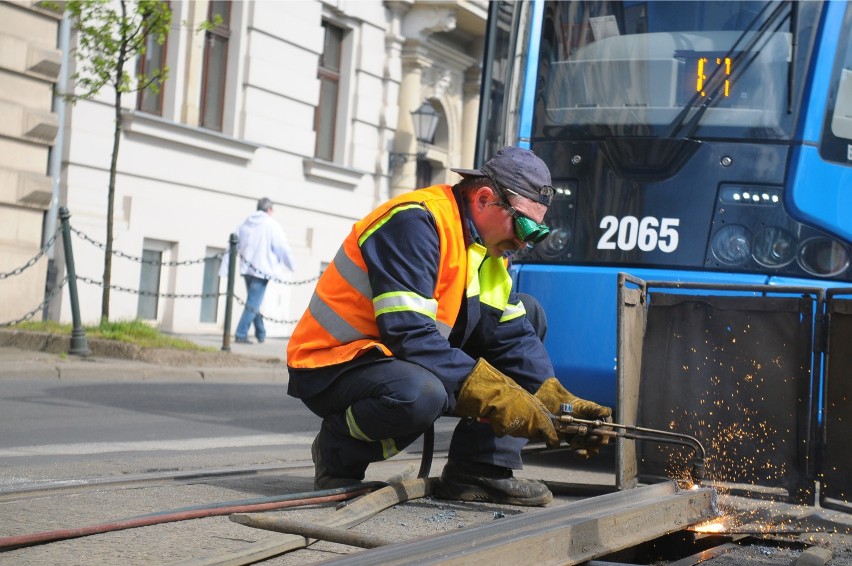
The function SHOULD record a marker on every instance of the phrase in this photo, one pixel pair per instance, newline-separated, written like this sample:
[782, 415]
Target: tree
[111, 34]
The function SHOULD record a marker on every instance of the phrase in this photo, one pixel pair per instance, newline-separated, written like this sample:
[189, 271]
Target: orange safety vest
[340, 321]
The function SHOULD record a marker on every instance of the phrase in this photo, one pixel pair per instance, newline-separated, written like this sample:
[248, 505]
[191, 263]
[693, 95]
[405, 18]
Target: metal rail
[568, 534]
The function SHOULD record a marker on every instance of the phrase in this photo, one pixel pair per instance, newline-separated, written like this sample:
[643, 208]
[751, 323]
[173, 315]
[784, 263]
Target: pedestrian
[416, 318]
[263, 249]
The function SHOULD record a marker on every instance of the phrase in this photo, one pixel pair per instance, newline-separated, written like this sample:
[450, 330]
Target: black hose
[428, 451]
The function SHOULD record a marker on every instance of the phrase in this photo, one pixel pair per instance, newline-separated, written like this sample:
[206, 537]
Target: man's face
[495, 224]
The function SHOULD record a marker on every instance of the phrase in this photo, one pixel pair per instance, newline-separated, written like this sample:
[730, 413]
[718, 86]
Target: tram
[688, 142]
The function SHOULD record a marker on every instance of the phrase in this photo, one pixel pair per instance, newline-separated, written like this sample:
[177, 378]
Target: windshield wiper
[794, 44]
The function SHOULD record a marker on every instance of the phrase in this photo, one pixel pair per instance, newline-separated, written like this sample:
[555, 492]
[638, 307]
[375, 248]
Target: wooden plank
[349, 516]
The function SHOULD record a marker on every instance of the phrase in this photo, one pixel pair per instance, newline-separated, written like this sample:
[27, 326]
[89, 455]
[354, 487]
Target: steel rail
[74, 486]
[568, 534]
[82, 485]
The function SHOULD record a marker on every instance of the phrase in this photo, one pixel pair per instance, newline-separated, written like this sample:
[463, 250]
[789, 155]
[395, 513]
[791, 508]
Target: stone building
[29, 67]
[301, 101]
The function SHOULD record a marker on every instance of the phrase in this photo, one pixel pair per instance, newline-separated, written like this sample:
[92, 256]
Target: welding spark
[713, 526]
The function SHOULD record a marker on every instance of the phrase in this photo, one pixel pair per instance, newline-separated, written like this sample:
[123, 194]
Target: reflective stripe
[475, 256]
[495, 283]
[341, 330]
[379, 223]
[352, 273]
[389, 448]
[354, 430]
[397, 301]
[513, 311]
[443, 329]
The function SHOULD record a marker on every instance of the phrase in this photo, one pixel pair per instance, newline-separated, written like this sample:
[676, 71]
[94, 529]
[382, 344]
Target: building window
[210, 285]
[149, 284]
[329, 78]
[424, 173]
[215, 65]
[153, 60]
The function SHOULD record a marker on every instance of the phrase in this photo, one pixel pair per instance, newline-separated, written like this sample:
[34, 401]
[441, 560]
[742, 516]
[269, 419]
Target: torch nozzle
[698, 470]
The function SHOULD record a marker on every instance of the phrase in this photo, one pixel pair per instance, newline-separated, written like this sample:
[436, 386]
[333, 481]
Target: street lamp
[425, 121]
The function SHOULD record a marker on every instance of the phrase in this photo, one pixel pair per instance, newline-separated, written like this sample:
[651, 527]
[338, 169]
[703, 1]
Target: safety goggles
[528, 230]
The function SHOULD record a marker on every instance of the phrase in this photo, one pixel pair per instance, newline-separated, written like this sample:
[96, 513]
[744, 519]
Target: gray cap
[518, 170]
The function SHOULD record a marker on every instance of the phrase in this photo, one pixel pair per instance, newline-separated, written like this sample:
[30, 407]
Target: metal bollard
[229, 298]
[79, 343]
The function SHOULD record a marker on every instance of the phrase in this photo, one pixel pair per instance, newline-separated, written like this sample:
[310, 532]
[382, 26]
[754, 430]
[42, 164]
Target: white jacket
[263, 245]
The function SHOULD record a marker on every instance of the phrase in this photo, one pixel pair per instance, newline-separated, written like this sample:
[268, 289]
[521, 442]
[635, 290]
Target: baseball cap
[519, 170]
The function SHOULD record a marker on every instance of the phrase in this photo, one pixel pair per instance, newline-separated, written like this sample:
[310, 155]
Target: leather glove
[509, 408]
[553, 395]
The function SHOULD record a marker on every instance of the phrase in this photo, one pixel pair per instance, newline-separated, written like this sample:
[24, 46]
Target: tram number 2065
[648, 233]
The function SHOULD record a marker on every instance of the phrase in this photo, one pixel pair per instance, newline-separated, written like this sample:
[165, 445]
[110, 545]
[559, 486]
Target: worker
[415, 318]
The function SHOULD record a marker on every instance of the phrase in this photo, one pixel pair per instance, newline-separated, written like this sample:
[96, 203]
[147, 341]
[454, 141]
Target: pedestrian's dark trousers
[373, 411]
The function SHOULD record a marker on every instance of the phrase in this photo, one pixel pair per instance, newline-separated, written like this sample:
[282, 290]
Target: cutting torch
[570, 427]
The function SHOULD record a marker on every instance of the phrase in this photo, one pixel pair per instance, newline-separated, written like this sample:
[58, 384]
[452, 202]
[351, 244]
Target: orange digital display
[704, 69]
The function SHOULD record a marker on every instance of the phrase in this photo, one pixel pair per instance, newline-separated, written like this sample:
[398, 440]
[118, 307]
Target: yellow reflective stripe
[389, 448]
[513, 311]
[495, 283]
[475, 256]
[354, 430]
[381, 222]
[397, 301]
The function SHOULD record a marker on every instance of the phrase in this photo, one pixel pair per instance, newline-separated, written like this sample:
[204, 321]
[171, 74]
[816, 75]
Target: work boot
[484, 482]
[322, 478]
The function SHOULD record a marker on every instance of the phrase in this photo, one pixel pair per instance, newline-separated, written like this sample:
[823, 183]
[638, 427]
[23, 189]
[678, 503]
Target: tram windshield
[672, 69]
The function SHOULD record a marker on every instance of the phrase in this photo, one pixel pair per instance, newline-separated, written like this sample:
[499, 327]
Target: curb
[117, 361]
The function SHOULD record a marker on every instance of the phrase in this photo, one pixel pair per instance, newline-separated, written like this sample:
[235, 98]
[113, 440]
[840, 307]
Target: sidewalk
[271, 347]
[38, 355]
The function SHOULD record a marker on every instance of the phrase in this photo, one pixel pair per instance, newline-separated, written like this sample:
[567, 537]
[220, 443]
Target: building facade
[301, 101]
[29, 68]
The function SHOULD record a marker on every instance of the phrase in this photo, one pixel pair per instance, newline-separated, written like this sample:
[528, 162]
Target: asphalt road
[50, 428]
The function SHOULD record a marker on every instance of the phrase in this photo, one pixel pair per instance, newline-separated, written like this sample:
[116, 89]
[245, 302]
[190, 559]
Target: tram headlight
[823, 257]
[774, 247]
[732, 244]
[555, 245]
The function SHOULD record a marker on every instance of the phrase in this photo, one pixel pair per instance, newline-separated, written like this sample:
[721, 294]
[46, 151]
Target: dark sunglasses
[528, 230]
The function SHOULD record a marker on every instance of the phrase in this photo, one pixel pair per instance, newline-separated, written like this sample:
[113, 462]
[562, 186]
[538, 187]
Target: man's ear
[482, 196]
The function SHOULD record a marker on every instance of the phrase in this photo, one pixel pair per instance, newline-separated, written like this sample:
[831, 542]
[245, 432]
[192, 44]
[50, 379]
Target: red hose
[20, 541]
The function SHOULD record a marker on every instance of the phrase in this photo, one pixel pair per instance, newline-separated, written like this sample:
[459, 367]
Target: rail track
[599, 524]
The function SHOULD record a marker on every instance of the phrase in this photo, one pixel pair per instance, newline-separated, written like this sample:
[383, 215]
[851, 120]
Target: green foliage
[207, 25]
[110, 39]
[46, 326]
[131, 331]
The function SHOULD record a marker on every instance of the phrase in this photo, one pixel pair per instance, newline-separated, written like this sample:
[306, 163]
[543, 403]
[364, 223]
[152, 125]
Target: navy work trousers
[374, 410]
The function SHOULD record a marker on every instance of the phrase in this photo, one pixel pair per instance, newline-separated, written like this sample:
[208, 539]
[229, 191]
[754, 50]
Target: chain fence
[20, 270]
[70, 280]
[28, 315]
[272, 278]
[32, 261]
[119, 253]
